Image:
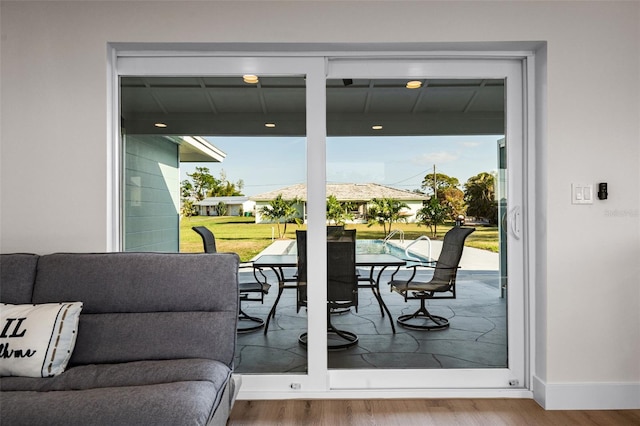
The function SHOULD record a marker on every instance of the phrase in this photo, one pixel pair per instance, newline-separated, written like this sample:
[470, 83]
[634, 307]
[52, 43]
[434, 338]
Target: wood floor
[420, 412]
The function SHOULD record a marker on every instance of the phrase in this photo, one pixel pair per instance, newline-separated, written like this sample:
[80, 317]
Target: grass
[243, 236]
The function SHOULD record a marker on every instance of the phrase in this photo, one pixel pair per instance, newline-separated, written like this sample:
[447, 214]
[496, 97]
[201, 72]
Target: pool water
[380, 247]
[375, 247]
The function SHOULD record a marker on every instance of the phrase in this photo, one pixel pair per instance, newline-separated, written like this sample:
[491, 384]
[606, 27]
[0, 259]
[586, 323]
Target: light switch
[581, 193]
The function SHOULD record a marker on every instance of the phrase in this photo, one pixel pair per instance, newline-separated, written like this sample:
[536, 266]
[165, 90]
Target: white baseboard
[586, 396]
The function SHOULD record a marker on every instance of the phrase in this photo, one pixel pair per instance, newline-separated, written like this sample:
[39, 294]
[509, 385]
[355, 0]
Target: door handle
[515, 220]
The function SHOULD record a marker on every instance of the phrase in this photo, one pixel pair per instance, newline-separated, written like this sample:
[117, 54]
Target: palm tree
[385, 210]
[281, 210]
[338, 212]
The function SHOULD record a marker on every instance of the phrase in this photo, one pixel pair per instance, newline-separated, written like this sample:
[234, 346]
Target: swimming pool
[380, 247]
[376, 247]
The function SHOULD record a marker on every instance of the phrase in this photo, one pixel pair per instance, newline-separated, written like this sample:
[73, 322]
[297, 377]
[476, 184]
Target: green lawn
[241, 235]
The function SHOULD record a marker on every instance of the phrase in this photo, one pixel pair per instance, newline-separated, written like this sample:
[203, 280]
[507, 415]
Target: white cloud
[435, 158]
[470, 144]
[355, 171]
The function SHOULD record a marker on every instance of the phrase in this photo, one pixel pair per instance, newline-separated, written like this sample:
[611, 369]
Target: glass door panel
[401, 188]
[241, 174]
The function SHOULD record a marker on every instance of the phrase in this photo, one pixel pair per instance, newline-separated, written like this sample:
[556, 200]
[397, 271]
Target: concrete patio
[476, 338]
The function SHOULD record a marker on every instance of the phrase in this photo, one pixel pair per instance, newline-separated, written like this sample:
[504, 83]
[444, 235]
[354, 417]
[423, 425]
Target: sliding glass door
[335, 148]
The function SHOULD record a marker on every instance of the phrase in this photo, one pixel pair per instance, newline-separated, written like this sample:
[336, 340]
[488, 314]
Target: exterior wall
[414, 206]
[232, 210]
[152, 194]
[249, 207]
[585, 260]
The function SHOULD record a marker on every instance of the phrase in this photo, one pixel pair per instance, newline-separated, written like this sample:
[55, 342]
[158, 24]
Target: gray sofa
[155, 343]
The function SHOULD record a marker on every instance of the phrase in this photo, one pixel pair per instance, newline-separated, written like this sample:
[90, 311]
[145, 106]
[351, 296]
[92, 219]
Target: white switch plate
[581, 193]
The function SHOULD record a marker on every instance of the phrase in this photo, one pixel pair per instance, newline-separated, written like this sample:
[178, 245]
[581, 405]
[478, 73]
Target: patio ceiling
[217, 106]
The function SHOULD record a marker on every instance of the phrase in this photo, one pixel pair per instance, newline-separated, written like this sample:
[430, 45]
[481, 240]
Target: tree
[454, 198]
[221, 209]
[337, 212]
[203, 182]
[442, 181]
[385, 210]
[447, 190]
[279, 211]
[479, 195]
[433, 214]
[224, 188]
[188, 208]
[186, 188]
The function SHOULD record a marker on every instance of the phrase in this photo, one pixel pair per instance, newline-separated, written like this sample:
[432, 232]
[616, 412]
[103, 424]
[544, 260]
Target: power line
[423, 173]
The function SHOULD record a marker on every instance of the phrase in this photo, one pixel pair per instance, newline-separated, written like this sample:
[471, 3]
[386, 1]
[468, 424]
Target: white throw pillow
[37, 340]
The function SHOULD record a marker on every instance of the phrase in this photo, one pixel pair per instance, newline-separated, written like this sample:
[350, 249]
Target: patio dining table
[278, 262]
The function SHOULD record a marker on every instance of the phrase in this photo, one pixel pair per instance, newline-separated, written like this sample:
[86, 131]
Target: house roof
[213, 201]
[344, 192]
[197, 149]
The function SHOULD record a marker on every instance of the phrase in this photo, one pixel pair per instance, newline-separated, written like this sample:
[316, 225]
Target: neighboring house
[236, 206]
[360, 194]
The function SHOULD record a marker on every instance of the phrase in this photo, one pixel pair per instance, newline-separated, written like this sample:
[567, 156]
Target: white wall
[54, 144]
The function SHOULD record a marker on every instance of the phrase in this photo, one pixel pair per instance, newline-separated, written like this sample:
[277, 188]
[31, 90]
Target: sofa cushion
[37, 340]
[112, 338]
[168, 392]
[177, 403]
[146, 306]
[139, 282]
[141, 373]
[17, 275]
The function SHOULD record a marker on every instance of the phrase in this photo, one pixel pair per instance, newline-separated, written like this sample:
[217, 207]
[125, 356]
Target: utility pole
[435, 190]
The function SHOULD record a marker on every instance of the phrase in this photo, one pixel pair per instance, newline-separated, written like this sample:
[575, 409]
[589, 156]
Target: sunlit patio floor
[476, 338]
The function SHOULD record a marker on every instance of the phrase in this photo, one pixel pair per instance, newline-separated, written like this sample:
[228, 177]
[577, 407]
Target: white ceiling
[213, 106]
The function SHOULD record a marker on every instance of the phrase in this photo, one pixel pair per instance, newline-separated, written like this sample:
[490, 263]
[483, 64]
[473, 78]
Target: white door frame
[321, 382]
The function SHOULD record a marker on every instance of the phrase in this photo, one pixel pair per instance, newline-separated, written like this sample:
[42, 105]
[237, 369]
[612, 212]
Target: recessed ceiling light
[270, 125]
[160, 125]
[377, 127]
[250, 78]
[413, 84]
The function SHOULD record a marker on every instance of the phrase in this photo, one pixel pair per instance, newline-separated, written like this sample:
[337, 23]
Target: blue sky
[269, 163]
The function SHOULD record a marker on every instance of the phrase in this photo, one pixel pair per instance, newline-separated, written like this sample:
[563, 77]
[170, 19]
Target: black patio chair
[441, 286]
[342, 282]
[252, 290]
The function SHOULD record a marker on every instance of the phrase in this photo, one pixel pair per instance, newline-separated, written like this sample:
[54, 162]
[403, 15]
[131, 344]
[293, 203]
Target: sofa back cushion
[17, 275]
[142, 306]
